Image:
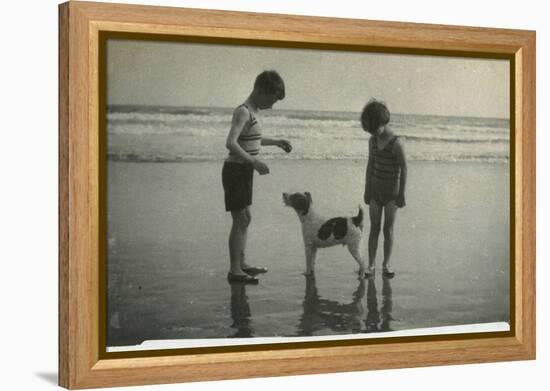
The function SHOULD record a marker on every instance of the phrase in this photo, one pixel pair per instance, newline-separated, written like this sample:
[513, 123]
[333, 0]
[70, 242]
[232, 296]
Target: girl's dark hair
[270, 82]
[374, 115]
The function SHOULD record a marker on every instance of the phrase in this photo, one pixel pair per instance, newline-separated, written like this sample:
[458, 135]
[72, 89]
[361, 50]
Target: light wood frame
[81, 362]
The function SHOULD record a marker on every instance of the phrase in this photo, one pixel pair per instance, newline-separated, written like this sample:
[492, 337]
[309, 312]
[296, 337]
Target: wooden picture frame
[82, 26]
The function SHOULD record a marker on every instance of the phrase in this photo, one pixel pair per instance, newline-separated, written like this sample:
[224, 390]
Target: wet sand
[168, 257]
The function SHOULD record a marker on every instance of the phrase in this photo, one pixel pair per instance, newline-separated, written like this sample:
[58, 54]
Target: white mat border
[212, 342]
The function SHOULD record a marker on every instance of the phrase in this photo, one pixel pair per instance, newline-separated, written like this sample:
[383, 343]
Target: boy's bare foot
[254, 270]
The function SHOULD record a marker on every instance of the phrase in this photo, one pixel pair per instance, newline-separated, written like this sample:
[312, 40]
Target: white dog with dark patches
[319, 232]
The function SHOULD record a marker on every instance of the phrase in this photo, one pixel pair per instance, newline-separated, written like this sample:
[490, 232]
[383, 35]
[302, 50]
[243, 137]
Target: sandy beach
[168, 257]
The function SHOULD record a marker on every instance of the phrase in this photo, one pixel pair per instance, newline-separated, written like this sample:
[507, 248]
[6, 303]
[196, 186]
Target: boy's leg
[375, 211]
[248, 217]
[237, 238]
[389, 218]
[245, 266]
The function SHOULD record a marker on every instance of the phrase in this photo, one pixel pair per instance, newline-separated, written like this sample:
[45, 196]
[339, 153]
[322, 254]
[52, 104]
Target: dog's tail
[358, 220]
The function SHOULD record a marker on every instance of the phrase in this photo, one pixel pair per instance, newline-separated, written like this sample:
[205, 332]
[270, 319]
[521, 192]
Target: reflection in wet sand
[240, 312]
[387, 305]
[379, 320]
[320, 314]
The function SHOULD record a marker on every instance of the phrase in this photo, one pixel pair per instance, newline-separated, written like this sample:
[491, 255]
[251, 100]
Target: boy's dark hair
[270, 82]
[374, 115]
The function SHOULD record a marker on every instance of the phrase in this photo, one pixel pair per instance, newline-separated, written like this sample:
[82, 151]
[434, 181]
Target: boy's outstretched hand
[285, 145]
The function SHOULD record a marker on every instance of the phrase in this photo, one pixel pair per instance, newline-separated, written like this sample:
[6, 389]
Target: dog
[319, 232]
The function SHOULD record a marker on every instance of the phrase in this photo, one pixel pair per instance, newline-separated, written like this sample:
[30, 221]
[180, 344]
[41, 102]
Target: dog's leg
[311, 251]
[354, 249]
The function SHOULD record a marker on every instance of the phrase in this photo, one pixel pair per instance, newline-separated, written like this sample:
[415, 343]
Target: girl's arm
[240, 116]
[283, 144]
[400, 153]
[368, 176]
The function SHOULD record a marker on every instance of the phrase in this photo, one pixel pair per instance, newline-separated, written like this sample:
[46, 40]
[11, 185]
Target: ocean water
[173, 134]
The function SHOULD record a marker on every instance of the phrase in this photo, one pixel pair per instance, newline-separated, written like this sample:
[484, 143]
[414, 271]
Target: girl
[385, 182]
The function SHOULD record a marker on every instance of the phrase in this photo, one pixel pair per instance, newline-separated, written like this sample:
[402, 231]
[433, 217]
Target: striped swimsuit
[250, 138]
[237, 174]
[385, 174]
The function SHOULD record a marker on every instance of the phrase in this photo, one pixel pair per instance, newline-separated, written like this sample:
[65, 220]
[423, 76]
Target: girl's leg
[237, 239]
[375, 211]
[390, 210]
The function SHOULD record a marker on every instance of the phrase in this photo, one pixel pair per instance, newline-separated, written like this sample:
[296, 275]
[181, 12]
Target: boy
[243, 142]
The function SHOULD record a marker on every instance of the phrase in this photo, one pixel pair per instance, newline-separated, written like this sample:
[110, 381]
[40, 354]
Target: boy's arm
[240, 116]
[402, 160]
[283, 144]
[368, 175]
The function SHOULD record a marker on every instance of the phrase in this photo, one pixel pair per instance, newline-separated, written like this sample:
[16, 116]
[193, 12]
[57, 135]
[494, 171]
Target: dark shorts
[237, 181]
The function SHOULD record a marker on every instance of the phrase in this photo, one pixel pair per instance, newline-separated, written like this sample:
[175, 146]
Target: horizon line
[307, 110]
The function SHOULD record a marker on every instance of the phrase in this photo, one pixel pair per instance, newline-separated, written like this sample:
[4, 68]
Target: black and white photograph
[262, 194]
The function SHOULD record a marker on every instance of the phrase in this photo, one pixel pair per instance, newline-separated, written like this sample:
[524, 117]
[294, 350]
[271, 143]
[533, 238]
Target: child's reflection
[387, 305]
[378, 320]
[240, 311]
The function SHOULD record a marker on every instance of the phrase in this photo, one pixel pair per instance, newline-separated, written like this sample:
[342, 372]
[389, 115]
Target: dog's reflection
[240, 312]
[321, 314]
